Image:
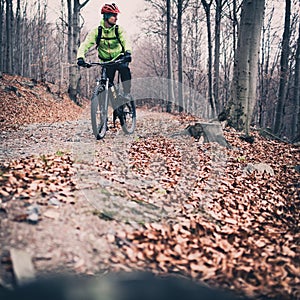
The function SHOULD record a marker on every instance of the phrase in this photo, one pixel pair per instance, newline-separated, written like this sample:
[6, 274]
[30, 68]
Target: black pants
[125, 76]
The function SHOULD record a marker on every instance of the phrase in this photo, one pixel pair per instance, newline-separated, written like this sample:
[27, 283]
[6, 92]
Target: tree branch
[83, 4]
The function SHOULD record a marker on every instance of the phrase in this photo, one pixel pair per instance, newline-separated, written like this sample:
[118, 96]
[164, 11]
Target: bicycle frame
[100, 101]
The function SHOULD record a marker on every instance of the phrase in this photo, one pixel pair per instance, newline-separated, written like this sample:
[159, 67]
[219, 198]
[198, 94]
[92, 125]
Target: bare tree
[235, 23]
[1, 34]
[23, 38]
[9, 37]
[62, 26]
[169, 59]
[17, 56]
[265, 69]
[283, 69]
[296, 92]
[216, 78]
[193, 43]
[73, 44]
[152, 51]
[207, 7]
[228, 37]
[41, 26]
[179, 45]
[246, 64]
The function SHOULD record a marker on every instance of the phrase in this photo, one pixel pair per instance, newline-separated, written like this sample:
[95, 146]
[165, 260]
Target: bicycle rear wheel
[127, 117]
[99, 113]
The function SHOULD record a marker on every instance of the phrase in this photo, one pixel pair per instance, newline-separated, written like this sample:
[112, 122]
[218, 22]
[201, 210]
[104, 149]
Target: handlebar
[108, 63]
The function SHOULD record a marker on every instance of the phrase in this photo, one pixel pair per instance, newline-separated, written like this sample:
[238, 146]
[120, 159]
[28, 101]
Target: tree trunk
[169, 59]
[73, 45]
[61, 44]
[235, 23]
[228, 52]
[70, 35]
[207, 6]
[72, 70]
[74, 75]
[246, 64]
[180, 70]
[195, 34]
[9, 39]
[22, 39]
[283, 69]
[266, 70]
[296, 98]
[43, 43]
[1, 34]
[218, 16]
[18, 41]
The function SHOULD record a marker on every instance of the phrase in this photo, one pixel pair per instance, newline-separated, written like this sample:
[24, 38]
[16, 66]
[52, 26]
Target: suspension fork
[106, 93]
[104, 78]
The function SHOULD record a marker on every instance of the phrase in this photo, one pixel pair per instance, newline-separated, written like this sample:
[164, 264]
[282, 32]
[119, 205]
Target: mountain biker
[112, 44]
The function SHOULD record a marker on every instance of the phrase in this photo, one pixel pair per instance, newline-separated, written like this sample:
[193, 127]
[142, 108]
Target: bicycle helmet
[110, 9]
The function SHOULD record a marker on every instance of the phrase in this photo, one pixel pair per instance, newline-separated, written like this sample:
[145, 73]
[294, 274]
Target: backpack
[99, 36]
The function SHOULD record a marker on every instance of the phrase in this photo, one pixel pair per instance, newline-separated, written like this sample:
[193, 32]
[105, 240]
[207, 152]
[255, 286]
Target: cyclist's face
[113, 19]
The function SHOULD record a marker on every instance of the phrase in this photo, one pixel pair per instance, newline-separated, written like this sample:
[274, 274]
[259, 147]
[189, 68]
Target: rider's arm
[89, 41]
[124, 40]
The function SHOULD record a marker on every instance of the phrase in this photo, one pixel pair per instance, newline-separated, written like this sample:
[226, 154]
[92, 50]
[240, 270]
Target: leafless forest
[201, 43]
[166, 199]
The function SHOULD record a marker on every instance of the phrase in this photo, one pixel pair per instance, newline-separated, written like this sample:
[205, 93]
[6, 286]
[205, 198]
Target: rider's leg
[125, 78]
[111, 71]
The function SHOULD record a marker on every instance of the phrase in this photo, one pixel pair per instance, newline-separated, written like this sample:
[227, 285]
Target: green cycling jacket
[109, 47]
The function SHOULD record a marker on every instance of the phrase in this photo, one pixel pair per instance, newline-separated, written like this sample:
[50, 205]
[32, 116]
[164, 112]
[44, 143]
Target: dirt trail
[74, 236]
[155, 200]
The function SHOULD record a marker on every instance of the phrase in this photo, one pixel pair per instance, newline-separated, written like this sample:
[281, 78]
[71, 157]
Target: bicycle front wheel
[99, 110]
[127, 117]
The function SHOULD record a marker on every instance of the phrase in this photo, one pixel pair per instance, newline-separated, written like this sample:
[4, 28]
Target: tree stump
[211, 132]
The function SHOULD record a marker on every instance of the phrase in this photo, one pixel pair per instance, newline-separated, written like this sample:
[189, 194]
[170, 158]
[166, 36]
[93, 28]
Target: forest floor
[156, 200]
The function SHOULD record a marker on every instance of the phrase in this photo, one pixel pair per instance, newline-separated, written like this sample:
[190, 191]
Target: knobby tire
[128, 117]
[99, 113]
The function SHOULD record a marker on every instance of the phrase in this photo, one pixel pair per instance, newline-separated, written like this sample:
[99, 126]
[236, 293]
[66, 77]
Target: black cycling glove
[82, 63]
[128, 56]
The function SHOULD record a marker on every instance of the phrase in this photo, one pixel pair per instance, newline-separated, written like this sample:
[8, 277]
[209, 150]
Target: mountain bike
[124, 109]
